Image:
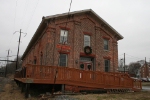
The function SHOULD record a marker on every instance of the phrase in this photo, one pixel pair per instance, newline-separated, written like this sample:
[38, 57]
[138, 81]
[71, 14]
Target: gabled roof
[84, 11]
[43, 24]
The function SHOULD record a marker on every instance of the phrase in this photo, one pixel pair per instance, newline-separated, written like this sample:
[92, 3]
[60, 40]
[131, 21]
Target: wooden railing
[72, 76]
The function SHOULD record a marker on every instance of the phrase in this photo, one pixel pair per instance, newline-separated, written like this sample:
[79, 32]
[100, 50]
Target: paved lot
[145, 88]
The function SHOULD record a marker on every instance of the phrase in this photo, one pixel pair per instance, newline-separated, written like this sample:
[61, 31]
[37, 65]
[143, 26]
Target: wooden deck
[38, 74]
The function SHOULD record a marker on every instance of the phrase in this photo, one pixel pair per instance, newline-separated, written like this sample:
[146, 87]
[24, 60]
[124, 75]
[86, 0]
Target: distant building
[145, 71]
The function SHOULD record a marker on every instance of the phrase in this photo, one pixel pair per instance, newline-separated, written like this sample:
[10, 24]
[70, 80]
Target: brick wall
[77, 26]
[145, 71]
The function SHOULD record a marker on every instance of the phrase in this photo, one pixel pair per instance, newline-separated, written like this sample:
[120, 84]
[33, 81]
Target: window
[63, 36]
[34, 61]
[107, 65]
[86, 40]
[105, 44]
[63, 60]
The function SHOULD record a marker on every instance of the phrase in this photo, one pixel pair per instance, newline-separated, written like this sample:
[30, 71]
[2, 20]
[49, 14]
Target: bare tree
[11, 67]
[121, 63]
[133, 68]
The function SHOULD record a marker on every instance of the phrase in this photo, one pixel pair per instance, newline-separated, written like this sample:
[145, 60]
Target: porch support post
[27, 93]
[22, 87]
[63, 88]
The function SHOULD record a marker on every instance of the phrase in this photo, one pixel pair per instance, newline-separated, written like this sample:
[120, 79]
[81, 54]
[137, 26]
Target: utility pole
[18, 47]
[7, 63]
[124, 63]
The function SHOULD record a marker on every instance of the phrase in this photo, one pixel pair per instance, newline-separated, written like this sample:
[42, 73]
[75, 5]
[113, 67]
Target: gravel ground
[3, 81]
[63, 97]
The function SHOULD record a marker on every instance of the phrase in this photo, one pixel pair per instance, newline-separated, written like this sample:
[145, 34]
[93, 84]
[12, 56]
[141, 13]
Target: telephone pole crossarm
[19, 46]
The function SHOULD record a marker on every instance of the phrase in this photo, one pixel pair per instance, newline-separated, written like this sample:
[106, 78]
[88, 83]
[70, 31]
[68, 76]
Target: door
[86, 65]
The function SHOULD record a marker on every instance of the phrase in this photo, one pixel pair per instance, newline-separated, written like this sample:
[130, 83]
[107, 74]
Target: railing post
[140, 84]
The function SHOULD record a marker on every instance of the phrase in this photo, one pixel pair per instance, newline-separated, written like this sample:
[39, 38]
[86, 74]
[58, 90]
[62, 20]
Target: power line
[61, 49]
[15, 15]
[120, 55]
[25, 9]
[133, 56]
[14, 26]
[31, 16]
[2, 57]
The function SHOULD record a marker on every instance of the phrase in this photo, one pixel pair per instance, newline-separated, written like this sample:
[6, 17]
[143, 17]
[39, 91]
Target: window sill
[64, 44]
[106, 50]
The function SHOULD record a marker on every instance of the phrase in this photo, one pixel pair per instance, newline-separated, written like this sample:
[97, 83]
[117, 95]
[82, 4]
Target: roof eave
[35, 36]
[83, 11]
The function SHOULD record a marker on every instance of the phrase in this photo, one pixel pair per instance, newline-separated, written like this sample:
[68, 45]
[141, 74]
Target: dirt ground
[10, 91]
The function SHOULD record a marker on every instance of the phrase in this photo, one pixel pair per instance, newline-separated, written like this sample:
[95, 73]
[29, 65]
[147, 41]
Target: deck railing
[72, 76]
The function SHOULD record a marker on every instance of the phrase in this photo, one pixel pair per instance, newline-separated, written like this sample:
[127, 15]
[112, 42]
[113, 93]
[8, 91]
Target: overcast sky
[131, 18]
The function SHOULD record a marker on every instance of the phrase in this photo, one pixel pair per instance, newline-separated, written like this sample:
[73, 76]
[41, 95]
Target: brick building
[145, 71]
[81, 40]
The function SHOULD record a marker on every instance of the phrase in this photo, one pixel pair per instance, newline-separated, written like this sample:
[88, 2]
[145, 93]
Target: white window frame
[88, 41]
[63, 36]
[106, 44]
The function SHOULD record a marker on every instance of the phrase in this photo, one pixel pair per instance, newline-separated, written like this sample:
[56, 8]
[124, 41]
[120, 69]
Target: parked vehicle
[148, 79]
[145, 79]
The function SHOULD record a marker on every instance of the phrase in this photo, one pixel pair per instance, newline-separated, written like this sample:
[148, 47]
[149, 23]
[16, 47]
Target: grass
[143, 95]
[145, 83]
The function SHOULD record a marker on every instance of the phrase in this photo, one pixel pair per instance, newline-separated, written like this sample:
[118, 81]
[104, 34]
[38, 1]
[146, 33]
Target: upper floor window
[63, 36]
[34, 61]
[63, 60]
[86, 40]
[107, 65]
[106, 46]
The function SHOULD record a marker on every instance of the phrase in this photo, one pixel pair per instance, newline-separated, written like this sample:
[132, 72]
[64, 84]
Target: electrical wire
[31, 16]
[120, 55]
[14, 26]
[133, 56]
[24, 12]
[61, 50]
[15, 16]
[63, 42]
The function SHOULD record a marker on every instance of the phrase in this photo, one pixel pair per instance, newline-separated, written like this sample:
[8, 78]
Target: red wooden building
[81, 45]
